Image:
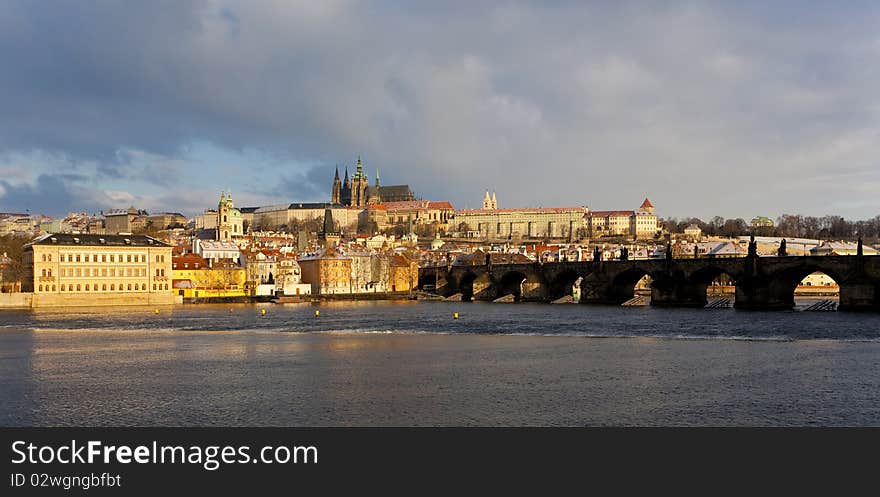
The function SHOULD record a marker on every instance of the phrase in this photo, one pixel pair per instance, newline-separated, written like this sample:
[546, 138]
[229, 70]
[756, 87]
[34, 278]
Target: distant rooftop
[98, 240]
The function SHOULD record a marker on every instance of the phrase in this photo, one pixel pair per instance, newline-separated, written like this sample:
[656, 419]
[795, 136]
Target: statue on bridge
[696, 251]
[753, 247]
[624, 254]
[782, 252]
[860, 251]
[669, 251]
[597, 255]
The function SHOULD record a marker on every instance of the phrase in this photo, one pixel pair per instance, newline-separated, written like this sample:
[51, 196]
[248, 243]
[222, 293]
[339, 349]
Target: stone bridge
[760, 282]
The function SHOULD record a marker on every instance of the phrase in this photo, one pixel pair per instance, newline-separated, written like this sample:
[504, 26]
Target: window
[154, 287]
[104, 272]
[112, 287]
[103, 257]
[53, 288]
[44, 257]
[87, 287]
[78, 288]
[143, 258]
[129, 287]
[62, 288]
[77, 257]
[49, 272]
[44, 272]
[166, 286]
[49, 257]
[40, 288]
[129, 258]
[104, 287]
[112, 258]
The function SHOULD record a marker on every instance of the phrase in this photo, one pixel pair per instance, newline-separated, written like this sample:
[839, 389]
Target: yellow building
[328, 271]
[193, 278]
[404, 274]
[88, 269]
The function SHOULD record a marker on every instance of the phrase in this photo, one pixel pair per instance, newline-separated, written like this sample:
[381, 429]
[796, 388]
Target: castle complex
[357, 191]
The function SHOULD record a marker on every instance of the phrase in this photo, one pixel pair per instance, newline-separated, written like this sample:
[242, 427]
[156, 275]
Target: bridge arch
[715, 282]
[476, 286]
[512, 284]
[623, 286]
[785, 282]
[561, 284]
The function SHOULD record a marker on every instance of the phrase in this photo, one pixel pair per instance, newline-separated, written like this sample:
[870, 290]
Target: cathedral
[357, 192]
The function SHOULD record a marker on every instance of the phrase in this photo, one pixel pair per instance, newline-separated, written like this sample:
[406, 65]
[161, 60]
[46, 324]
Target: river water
[410, 363]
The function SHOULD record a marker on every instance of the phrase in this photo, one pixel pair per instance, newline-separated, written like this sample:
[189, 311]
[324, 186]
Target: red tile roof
[646, 203]
[535, 210]
[611, 213]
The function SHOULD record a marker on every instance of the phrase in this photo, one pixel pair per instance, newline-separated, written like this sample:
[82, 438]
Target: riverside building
[89, 270]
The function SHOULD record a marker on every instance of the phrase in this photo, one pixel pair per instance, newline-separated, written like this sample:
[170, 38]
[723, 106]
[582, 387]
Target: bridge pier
[859, 296]
[758, 293]
[678, 293]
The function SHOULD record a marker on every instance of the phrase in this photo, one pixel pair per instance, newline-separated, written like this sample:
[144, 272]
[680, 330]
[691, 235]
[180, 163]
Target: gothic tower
[374, 197]
[345, 197]
[359, 183]
[336, 193]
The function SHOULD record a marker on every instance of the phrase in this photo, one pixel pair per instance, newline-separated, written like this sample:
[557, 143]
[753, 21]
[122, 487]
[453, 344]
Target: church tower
[345, 197]
[336, 192]
[490, 202]
[374, 198]
[359, 184]
[224, 227]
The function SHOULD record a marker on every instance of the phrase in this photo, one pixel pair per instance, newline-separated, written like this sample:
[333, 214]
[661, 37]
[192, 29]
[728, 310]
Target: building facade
[639, 224]
[194, 277]
[538, 222]
[89, 270]
[229, 221]
[327, 271]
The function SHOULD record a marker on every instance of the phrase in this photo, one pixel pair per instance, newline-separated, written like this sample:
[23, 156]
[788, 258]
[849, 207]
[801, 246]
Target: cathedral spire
[377, 177]
[359, 173]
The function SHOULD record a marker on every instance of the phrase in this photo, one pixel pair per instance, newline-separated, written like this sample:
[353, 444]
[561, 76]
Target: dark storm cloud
[567, 102]
[47, 194]
[311, 186]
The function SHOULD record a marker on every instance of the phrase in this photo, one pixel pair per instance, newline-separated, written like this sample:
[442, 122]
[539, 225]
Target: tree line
[787, 225]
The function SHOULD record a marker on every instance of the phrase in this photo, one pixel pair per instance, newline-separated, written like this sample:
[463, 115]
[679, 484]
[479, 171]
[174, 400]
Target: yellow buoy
[263, 311]
[156, 311]
[455, 315]
[317, 313]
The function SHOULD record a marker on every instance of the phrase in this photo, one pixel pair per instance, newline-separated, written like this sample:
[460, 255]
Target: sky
[730, 108]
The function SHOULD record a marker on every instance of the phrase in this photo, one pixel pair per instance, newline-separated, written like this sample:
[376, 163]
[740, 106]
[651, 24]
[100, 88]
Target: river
[411, 364]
